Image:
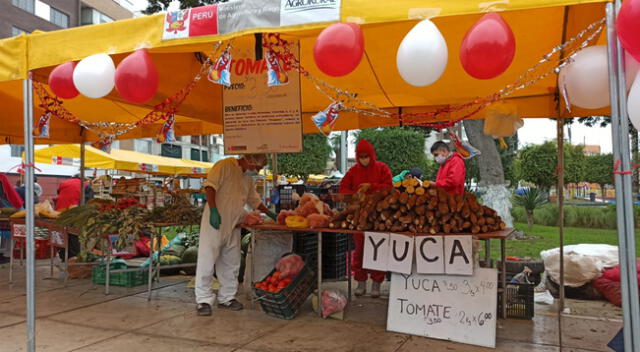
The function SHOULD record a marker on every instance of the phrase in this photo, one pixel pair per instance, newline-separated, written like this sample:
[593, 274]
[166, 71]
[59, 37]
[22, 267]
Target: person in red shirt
[451, 174]
[367, 175]
[69, 193]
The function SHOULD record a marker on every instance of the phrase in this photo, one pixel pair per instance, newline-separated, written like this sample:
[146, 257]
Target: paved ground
[81, 318]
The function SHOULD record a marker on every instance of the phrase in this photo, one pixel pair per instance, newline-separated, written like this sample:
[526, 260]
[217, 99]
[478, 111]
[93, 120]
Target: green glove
[272, 215]
[214, 218]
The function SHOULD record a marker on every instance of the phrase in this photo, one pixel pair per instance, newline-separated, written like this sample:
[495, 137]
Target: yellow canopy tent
[118, 159]
[375, 80]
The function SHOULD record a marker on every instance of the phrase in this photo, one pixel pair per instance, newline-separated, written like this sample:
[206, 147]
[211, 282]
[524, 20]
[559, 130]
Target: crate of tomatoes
[282, 295]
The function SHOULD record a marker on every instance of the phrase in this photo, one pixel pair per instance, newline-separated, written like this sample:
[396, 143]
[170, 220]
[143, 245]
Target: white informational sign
[452, 255]
[400, 254]
[455, 308]
[430, 255]
[459, 257]
[376, 251]
[257, 117]
[293, 12]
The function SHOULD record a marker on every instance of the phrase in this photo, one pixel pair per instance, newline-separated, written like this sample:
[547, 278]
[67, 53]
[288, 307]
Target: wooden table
[486, 237]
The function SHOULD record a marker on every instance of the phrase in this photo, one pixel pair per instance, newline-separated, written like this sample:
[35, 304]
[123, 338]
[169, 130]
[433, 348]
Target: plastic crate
[286, 303]
[519, 298]
[42, 248]
[334, 267]
[286, 196]
[128, 279]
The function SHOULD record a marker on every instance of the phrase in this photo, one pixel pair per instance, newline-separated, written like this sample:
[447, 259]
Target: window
[172, 151]
[59, 18]
[142, 146]
[196, 140]
[27, 5]
[17, 31]
[195, 154]
[17, 150]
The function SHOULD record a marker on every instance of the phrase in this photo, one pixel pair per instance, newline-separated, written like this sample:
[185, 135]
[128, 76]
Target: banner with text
[455, 308]
[257, 117]
[452, 255]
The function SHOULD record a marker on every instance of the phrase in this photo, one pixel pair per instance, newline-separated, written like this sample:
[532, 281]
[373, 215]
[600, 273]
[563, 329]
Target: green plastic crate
[128, 279]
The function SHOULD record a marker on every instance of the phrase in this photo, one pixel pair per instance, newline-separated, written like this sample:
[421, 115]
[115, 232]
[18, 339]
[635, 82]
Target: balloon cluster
[487, 50]
[135, 79]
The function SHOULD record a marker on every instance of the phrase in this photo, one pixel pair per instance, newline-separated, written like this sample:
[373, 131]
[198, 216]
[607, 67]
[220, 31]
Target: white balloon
[587, 78]
[633, 102]
[422, 55]
[94, 76]
[631, 67]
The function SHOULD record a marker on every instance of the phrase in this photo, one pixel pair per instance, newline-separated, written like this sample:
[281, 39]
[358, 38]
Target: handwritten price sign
[461, 309]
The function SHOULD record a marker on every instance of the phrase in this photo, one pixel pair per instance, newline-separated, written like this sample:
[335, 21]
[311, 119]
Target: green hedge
[598, 217]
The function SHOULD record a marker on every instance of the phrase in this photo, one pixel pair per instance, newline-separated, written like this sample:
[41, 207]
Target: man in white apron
[229, 187]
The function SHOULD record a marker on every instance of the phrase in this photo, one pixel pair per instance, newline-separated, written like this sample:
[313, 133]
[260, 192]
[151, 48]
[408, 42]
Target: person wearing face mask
[229, 187]
[451, 173]
[367, 176]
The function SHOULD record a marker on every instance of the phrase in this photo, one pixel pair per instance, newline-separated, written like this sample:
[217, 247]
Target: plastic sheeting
[583, 263]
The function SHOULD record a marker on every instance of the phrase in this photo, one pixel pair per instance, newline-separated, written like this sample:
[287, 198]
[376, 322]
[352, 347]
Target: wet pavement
[81, 317]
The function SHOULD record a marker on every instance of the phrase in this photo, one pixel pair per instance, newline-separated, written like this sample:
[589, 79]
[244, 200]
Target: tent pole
[344, 156]
[560, 192]
[27, 91]
[624, 210]
[82, 162]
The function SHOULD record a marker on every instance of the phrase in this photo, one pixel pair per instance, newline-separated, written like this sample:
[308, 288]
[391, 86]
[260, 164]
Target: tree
[313, 159]
[155, 6]
[497, 196]
[574, 163]
[598, 170]
[400, 148]
[531, 199]
[537, 164]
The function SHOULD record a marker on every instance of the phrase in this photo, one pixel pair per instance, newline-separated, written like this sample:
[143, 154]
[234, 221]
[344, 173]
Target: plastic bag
[282, 216]
[543, 297]
[289, 266]
[253, 218]
[609, 289]
[318, 220]
[333, 301]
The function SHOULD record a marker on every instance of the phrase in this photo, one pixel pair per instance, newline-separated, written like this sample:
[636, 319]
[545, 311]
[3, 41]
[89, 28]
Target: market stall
[372, 94]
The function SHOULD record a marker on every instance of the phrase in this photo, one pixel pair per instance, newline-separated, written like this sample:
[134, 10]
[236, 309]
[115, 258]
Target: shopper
[413, 173]
[69, 193]
[21, 189]
[229, 187]
[451, 174]
[367, 175]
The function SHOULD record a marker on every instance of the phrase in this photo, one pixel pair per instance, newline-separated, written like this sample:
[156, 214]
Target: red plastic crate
[42, 248]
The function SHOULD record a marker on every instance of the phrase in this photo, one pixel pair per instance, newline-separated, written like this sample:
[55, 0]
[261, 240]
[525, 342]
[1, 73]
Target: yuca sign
[455, 308]
[452, 255]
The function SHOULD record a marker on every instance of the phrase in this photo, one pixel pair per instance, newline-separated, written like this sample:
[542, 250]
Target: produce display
[311, 212]
[178, 211]
[43, 209]
[419, 208]
[273, 283]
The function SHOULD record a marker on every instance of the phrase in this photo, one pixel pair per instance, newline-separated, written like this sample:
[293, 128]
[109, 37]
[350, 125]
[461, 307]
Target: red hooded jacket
[10, 194]
[451, 174]
[376, 173]
[68, 193]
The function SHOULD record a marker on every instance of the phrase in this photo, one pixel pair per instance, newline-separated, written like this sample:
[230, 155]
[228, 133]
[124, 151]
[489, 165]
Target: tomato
[287, 280]
[272, 288]
[282, 285]
[276, 275]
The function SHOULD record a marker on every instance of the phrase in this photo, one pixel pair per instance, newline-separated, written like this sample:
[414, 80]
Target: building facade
[26, 16]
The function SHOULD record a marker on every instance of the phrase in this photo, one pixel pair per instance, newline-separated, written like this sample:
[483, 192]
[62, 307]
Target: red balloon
[338, 49]
[61, 81]
[628, 27]
[488, 48]
[137, 77]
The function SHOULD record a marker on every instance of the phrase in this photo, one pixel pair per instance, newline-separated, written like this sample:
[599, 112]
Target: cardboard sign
[430, 255]
[376, 251]
[258, 118]
[400, 254]
[459, 258]
[455, 308]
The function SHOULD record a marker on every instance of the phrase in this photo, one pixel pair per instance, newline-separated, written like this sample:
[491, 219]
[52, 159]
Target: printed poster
[258, 118]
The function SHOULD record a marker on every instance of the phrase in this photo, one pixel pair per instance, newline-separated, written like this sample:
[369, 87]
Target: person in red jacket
[368, 175]
[69, 193]
[452, 170]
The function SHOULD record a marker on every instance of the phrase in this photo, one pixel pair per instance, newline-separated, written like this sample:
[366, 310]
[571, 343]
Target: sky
[535, 131]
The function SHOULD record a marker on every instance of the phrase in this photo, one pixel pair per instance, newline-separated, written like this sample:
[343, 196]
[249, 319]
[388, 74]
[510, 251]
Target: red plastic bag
[613, 274]
[142, 246]
[289, 266]
[333, 301]
[609, 289]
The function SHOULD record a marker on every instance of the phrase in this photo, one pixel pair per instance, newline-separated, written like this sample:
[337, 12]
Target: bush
[597, 217]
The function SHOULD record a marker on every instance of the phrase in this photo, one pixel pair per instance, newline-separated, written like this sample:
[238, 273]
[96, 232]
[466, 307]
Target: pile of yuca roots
[417, 207]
